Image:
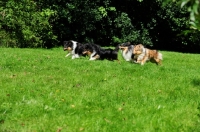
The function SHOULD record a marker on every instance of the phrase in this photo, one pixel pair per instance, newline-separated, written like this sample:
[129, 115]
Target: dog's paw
[92, 59]
[77, 56]
[142, 63]
[73, 57]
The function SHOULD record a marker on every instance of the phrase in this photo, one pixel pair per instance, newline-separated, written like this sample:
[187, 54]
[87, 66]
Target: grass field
[42, 91]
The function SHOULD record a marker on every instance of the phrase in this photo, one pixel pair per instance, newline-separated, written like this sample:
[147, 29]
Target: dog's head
[124, 46]
[87, 49]
[68, 45]
[138, 49]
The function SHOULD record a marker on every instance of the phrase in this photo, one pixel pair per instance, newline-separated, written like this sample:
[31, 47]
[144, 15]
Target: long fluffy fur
[110, 54]
[142, 54]
[92, 50]
[74, 48]
[97, 52]
[127, 51]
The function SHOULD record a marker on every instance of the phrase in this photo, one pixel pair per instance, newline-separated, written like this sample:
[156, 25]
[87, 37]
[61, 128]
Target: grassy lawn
[42, 91]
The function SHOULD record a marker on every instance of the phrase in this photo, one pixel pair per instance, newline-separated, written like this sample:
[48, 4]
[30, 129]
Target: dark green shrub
[26, 25]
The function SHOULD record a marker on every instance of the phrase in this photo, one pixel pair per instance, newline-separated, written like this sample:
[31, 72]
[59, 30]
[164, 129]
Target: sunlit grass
[41, 90]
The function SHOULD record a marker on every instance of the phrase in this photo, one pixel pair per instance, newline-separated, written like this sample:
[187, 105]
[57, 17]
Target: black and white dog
[92, 50]
[74, 48]
[127, 51]
[97, 52]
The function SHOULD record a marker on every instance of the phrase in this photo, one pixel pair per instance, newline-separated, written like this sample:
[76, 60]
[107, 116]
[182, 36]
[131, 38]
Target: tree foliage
[26, 24]
[193, 8]
[47, 23]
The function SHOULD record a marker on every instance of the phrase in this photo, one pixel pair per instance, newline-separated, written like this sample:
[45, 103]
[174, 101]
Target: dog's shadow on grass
[196, 82]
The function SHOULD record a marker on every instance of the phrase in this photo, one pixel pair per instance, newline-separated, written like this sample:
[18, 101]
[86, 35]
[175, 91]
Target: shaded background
[47, 23]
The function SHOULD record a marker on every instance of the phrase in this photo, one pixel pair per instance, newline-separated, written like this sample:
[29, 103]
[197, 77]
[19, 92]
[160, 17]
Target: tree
[193, 8]
[47, 23]
[25, 24]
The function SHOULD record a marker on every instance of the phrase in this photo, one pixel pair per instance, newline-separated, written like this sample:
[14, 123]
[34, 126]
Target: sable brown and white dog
[97, 52]
[127, 51]
[74, 48]
[142, 54]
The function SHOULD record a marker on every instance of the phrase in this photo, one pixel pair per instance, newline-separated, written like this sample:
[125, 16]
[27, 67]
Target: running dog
[127, 51]
[142, 54]
[92, 50]
[96, 52]
[74, 48]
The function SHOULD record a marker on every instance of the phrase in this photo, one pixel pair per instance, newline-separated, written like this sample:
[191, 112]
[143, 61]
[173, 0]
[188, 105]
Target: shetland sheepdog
[92, 50]
[127, 51]
[74, 48]
[142, 54]
[97, 52]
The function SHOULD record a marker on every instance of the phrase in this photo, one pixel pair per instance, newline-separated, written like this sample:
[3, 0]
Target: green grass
[42, 91]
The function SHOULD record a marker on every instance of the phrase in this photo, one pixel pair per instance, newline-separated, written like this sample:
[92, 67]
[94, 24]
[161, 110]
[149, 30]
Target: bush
[26, 25]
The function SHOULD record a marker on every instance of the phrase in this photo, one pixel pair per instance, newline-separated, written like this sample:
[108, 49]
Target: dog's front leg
[77, 56]
[135, 61]
[144, 60]
[92, 58]
[68, 54]
[73, 56]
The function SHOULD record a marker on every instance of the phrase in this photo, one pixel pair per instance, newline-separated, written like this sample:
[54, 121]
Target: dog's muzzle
[68, 48]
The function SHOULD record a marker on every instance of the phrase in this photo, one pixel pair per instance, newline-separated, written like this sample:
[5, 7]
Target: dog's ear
[140, 45]
[65, 42]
